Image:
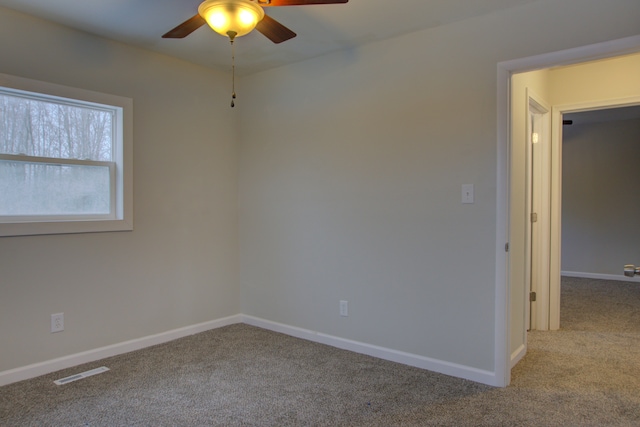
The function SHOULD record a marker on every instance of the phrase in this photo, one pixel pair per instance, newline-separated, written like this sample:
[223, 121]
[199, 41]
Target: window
[65, 159]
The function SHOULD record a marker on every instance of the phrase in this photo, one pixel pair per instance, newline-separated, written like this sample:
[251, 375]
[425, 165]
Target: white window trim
[122, 219]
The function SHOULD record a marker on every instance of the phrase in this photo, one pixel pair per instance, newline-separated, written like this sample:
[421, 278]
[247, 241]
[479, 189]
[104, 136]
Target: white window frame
[121, 216]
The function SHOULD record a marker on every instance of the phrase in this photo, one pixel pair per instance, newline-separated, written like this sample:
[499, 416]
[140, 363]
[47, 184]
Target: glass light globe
[231, 18]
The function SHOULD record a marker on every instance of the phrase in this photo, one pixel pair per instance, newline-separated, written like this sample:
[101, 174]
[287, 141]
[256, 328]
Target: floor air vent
[81, 375]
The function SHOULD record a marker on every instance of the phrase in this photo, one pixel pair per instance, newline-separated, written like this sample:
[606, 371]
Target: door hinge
[506, 247]
[534, 217]
[532, 296]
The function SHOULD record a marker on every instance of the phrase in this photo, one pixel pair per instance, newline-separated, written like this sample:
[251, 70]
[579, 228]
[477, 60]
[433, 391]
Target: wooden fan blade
[273, 30]
[267, 3]
[186, 28]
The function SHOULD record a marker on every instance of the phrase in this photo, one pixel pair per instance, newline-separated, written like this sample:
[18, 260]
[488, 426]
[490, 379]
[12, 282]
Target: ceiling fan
[235, 18]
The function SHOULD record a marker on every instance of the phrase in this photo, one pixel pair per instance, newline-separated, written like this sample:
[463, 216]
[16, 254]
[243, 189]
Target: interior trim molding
[422, 362]
[517, 355]
[617, 277]
[46, 367]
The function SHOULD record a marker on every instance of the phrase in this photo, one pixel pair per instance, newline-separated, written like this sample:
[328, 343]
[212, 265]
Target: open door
[530, 135]
[538, 211]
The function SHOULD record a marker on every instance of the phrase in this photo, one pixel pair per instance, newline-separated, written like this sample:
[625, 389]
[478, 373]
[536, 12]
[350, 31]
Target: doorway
[559, 112]
[599, 219]
[511, 294]
[538, 168]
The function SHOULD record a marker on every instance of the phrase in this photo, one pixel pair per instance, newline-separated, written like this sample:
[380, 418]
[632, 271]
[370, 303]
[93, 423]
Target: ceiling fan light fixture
[237, 17]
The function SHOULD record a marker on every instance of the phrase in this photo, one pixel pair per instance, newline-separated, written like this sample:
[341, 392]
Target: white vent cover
[81, 375]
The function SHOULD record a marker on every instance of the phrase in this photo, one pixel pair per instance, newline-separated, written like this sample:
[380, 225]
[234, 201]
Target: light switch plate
[344, 308]
[467, 193]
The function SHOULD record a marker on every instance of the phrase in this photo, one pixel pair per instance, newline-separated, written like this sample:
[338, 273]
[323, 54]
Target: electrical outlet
[344, 308]
[57, 322]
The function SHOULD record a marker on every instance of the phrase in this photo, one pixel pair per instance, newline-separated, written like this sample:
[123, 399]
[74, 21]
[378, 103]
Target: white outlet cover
[57, 322]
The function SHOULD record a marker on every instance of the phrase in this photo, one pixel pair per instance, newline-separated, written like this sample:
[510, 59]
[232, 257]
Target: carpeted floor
[586, 374]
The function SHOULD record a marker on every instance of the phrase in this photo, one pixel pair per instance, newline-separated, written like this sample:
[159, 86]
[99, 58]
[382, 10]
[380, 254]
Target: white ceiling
[321, 28]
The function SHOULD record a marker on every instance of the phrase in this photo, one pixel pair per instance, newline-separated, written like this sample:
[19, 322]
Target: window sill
[70, 227]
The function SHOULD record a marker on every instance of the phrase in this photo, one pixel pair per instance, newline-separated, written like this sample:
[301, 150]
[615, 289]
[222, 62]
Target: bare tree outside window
[53, 132]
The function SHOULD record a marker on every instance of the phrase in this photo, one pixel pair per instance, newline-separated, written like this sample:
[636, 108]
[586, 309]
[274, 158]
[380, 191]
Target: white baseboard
[517, 355]
[435, 365]
[618, 277]
[37, 369]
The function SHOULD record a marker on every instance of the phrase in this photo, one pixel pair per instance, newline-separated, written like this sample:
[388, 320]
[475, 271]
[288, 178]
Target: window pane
[52, 128]
[45, 189]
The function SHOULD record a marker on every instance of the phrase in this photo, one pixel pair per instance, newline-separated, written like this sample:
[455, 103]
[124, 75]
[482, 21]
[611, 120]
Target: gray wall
[350, 173]
[179, 265]
[600, 207]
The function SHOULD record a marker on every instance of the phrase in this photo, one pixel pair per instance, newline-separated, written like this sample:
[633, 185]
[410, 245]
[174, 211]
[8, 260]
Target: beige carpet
[586, 374]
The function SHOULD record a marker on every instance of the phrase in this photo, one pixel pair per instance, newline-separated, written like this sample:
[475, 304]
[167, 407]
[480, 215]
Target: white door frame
[502, 356]
[556, 191]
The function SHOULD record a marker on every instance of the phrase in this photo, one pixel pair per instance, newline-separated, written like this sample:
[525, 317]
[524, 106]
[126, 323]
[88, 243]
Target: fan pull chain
[232, 36]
